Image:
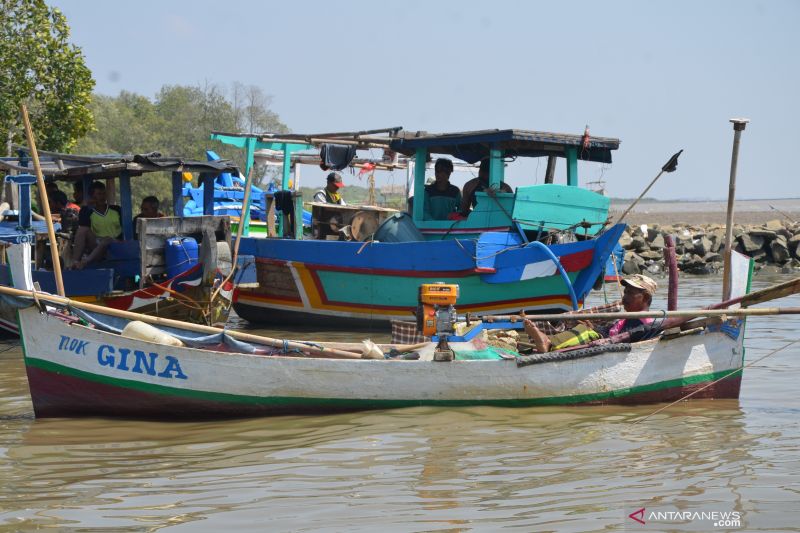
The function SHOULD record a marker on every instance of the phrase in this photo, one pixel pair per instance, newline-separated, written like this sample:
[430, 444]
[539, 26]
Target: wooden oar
[770, 293]
[316, 349]
[774, 292]
[687, 314]
[764, 295]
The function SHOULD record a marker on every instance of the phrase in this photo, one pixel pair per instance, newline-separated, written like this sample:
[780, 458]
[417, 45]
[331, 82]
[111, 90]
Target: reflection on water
[418, 469]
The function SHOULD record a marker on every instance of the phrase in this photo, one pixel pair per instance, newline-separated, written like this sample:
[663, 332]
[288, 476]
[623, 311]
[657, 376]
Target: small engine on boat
[436, 315]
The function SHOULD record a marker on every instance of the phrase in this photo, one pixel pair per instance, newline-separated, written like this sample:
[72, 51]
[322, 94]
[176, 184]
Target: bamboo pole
[365, 143]
[45, 207]
[239, 232]
[687, 313]
[787, 288]
[317, 349]
[774, 292]
[738, 127]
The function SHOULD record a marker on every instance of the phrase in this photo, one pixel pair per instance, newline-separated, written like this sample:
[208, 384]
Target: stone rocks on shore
[699, 249]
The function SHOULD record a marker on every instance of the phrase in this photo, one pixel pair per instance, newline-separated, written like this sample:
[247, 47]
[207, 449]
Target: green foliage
[38, 66]
[178, 122]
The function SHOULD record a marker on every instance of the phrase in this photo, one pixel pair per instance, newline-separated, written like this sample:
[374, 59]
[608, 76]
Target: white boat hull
[73, 369]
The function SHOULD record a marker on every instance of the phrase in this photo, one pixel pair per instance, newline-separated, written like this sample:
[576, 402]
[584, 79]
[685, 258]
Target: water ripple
[417, 469]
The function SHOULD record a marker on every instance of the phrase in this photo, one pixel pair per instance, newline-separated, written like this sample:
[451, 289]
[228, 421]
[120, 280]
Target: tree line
[177, 122]
[41, 68]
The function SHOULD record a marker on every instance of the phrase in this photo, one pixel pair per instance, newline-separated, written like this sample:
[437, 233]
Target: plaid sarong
[551, 328]
[406, 333]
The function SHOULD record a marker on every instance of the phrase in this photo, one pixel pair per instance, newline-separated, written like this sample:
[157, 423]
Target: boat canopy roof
[70, 167]
[473, 146]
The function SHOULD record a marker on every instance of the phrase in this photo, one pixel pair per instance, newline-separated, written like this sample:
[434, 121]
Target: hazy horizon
[660, 76]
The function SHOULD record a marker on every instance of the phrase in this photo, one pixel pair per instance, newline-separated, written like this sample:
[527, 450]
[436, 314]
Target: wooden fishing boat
[540, 248]
[136, 273]
[81, 365]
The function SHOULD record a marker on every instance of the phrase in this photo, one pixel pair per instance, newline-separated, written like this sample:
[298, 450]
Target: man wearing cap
[330, 194]
[637, 296]
[442, 198]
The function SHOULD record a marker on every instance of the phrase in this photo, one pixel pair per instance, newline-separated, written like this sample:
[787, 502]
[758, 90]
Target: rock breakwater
[699, 248]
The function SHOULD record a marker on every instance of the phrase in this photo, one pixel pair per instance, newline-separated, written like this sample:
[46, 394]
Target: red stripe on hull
[253, 294]
[553, 300]
[571, 263]
[577, 261]
[58, 395]
[465, 231]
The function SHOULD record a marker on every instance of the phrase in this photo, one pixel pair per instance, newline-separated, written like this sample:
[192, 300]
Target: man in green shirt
[99, 225]
[442, 198]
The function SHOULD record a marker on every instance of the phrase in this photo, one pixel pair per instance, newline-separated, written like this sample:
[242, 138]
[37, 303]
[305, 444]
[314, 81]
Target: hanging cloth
[336, 156]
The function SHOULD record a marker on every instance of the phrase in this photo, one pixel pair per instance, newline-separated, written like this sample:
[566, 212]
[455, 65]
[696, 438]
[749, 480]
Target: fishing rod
[670, 166]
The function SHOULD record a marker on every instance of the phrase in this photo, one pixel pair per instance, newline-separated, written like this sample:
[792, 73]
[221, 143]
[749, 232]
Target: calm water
[420, 469]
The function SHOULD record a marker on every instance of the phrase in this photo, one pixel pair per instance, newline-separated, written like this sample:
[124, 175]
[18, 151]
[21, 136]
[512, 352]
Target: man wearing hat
[330, 194]
[637, 296]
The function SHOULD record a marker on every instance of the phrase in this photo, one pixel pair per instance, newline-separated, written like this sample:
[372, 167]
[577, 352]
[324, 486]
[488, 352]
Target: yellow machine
[436, 315]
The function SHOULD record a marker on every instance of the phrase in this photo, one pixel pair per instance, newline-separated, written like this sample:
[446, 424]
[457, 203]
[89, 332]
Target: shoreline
[691, 212]
[696, 218]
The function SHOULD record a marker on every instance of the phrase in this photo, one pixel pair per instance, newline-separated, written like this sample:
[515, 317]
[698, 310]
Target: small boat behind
[540, 248]
[169, 266]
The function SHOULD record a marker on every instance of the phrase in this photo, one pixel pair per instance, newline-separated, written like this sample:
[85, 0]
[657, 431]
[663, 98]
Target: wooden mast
[738, 127]
[45, 207]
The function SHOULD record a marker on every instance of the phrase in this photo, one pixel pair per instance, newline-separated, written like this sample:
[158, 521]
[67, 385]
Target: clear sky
[660, 76]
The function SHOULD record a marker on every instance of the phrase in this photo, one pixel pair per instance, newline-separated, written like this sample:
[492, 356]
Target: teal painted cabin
[540, 248]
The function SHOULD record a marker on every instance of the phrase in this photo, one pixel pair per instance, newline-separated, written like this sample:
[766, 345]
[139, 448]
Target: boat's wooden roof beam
[68, 167]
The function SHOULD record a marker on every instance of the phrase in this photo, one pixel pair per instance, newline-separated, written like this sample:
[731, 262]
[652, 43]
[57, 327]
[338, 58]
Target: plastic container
[399, 227]
[145, 332]
[180, 254]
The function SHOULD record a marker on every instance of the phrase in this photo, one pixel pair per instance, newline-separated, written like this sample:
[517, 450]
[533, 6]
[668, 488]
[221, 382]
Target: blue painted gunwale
[453, 254]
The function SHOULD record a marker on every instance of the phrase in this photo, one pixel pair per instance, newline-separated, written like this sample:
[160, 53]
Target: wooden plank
[208, 256]
[171, 226]
[126, 205]
[141, 228]
[177, 193]
[270, 215]
[549, 175]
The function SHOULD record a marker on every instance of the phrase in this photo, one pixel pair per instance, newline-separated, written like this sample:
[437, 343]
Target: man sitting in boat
[442, 198]
[148, 209]
[330, 194]
[481, 183]
[66, 211]
[98, 225]
[638, 296]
